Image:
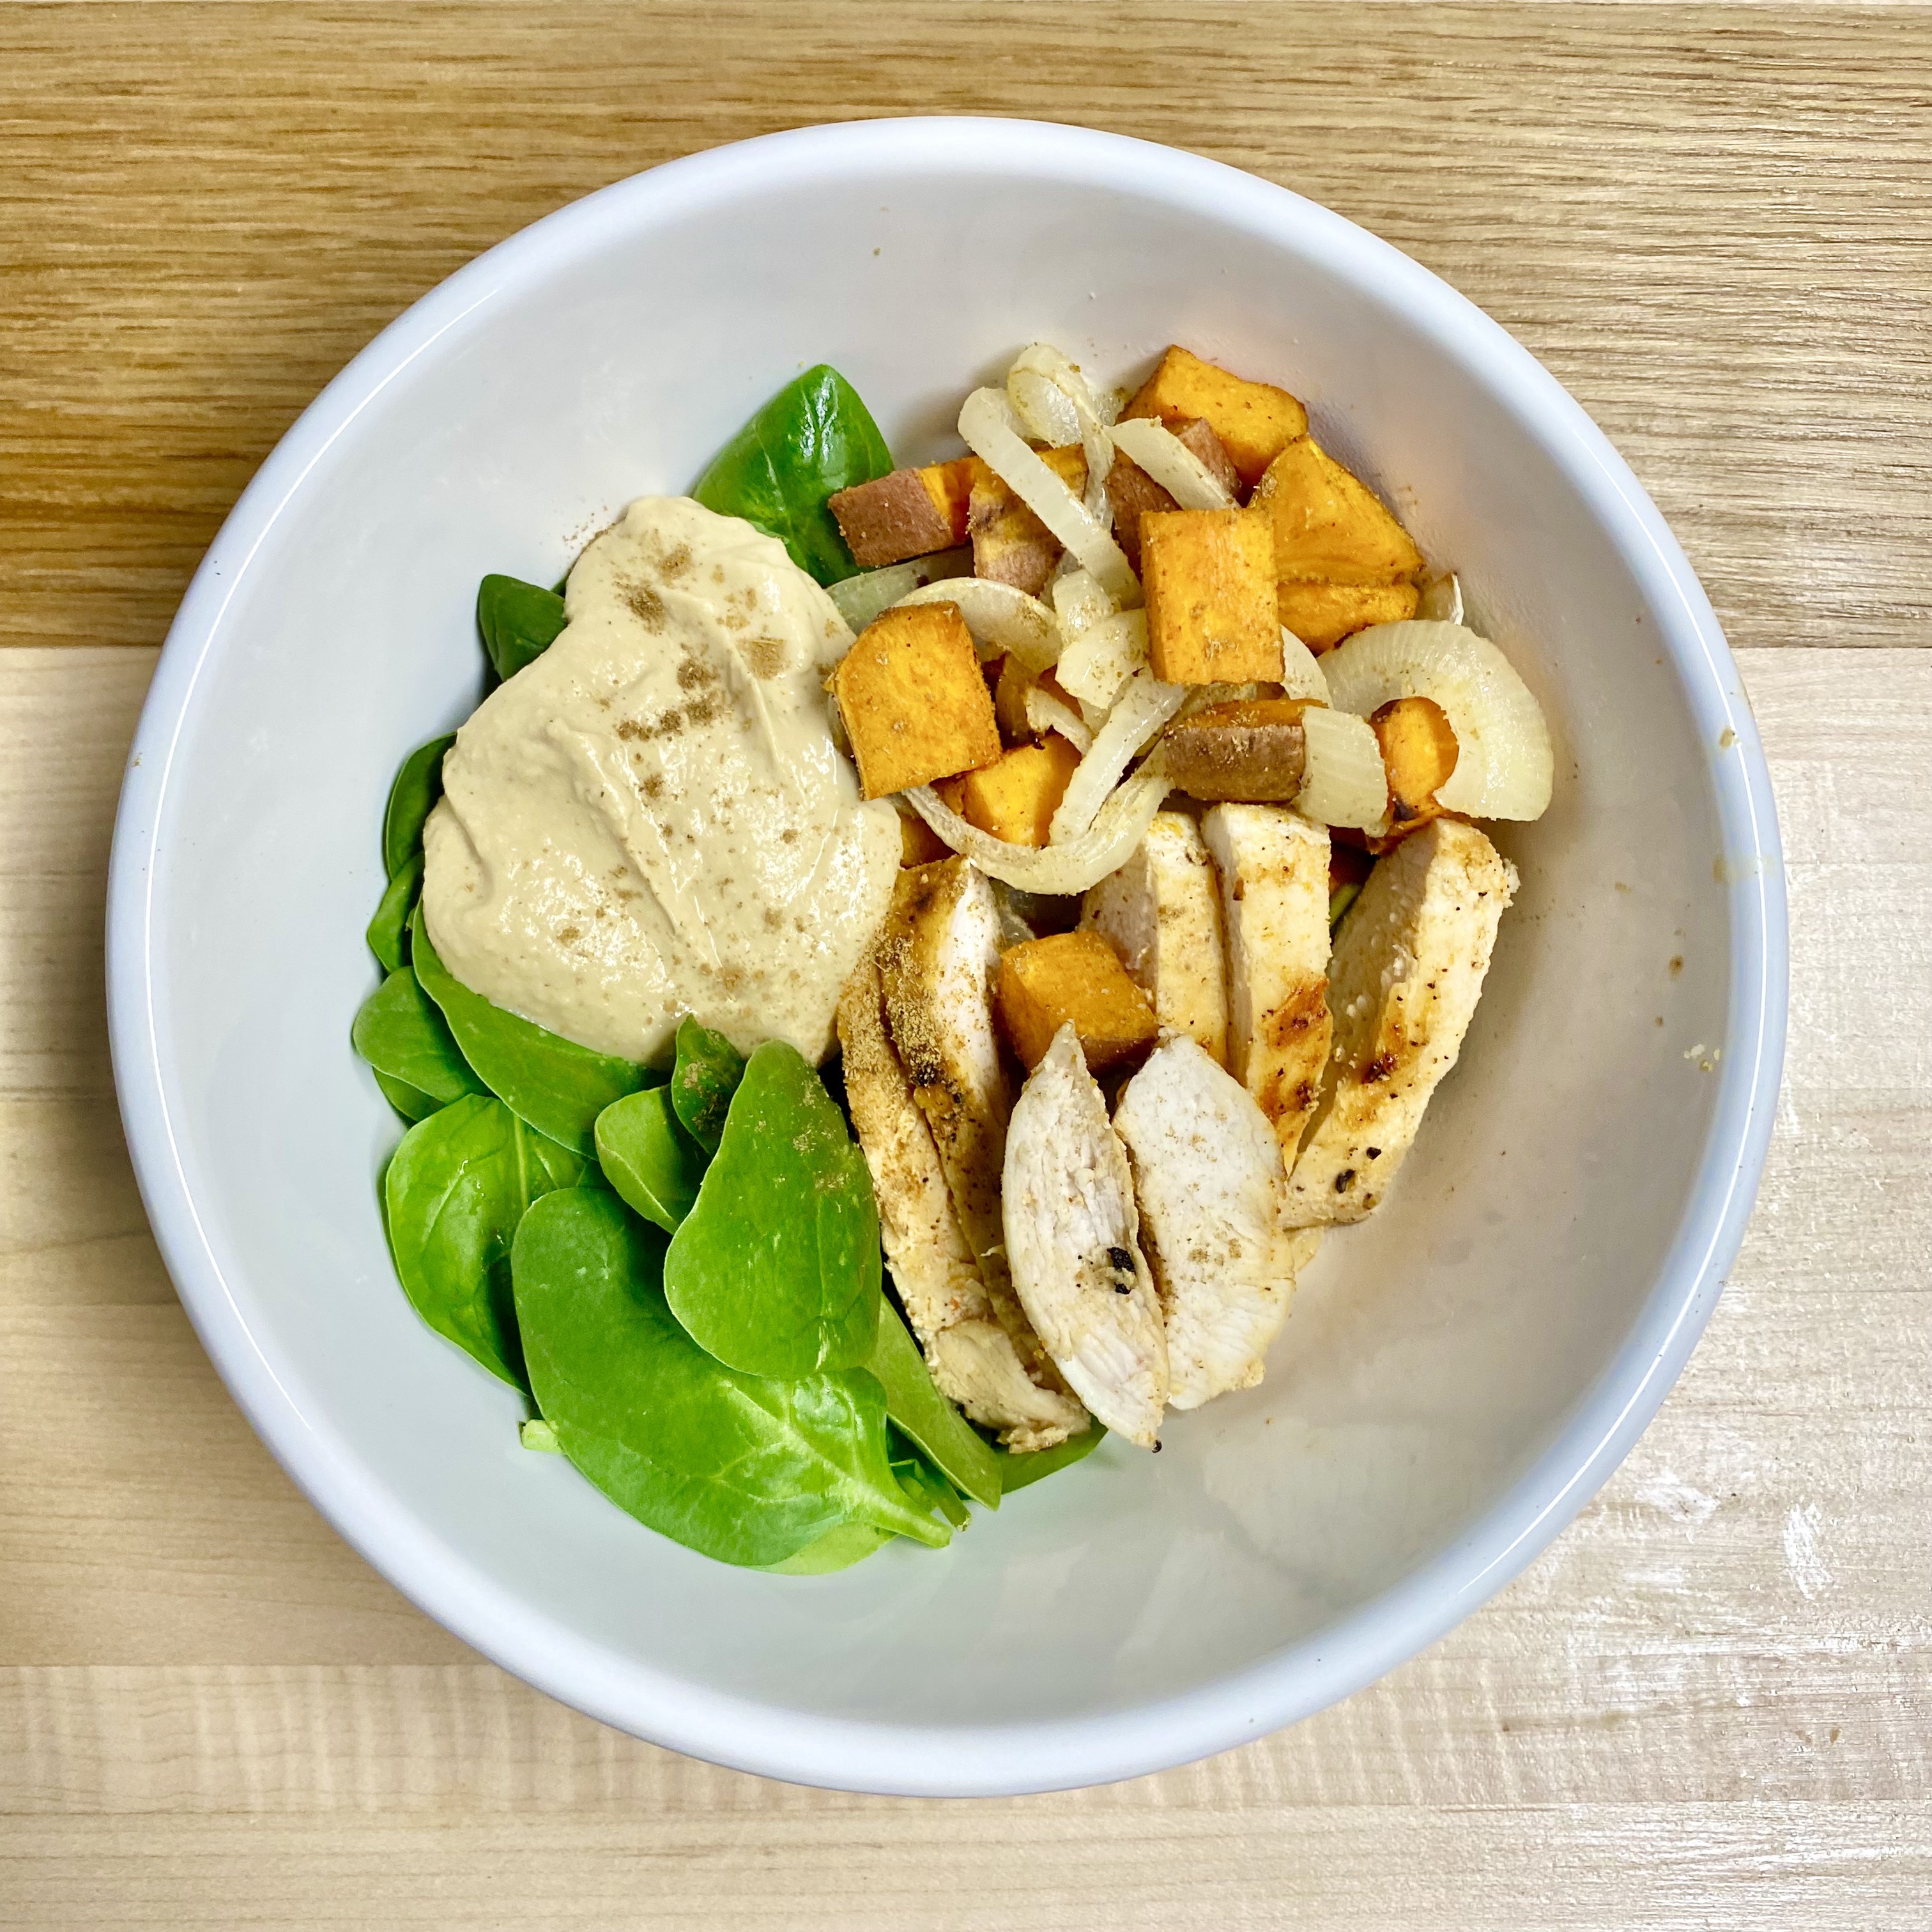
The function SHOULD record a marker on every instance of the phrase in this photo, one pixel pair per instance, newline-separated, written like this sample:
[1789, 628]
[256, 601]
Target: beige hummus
[652, 819]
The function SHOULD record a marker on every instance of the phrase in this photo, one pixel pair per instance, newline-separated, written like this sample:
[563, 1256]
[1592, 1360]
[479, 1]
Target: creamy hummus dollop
[652, 818]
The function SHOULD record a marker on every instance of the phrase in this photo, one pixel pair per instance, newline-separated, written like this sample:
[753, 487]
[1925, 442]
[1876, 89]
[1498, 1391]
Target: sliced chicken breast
[1207, 1180]
[1406, 976]
[938, 954]
[1161, 913]
[1072, 1236]
[972, 1359]
[1273, 869]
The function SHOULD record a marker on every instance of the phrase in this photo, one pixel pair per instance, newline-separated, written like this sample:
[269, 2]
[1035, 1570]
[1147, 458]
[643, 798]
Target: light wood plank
[1711, 223]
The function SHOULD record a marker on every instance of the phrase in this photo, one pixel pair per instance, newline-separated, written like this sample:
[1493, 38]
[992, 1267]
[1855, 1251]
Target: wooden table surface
[1710, 1704]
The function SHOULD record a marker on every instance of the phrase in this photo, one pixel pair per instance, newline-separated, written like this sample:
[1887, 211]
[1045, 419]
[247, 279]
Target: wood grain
[1713, 223]
[1709, 1705]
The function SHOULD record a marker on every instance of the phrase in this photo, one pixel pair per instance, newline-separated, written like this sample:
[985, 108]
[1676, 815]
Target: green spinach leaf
[455, 1190]
[812, 439]
[837, 1548]
[654, 1165]
[519, 621]
[707, 1075]
[926, 1487]
[401, 1033]
[928, 1419]
[417, 787]
[557, 1086]
[411, 1103]
[389, 931]
[742, 1468]
[775, 1271]
[1017, 1472]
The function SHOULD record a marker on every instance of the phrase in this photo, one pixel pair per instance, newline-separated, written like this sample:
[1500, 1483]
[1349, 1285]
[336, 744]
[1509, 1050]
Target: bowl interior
[1435, 1354]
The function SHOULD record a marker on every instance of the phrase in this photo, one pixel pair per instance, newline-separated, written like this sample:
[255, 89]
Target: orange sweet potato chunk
[1043, 983]
[1254, 421]
[1419, 753]
[915, 704]
[1209, 580]
[1322, 614]
[1015, 797]
[1329, 525]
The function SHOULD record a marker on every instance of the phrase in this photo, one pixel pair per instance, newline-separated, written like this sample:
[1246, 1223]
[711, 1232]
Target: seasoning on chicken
[1072, 1238]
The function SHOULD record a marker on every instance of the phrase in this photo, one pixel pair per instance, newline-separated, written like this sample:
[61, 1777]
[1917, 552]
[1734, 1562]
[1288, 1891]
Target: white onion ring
[1095, 663]
[1041, 362]
[1301, 672]
[1342, 781]
[1140, 710]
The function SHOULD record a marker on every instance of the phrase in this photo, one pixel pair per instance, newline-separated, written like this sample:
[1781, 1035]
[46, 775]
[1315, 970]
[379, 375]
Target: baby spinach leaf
[744, 1469]
[411, 1103]
[1017, 1472]
[417, 787]
[388, 930]
[654, 1165]
[837, 1548]
[928, 1420]
[812, 439]
[707, 1075]
[454, 1191]
[557, 1086]
[401, 1033]
[775, 1270]
[924, 1484]
[519, 621]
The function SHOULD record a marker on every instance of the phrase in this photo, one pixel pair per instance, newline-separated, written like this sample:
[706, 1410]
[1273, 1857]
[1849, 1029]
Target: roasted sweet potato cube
[1010, 544]
[1254, 421]
[910, 513]
[1251, 751]
[1208, 577]
[1419, 753]
[915, 705]
[1322, 614]
[1132, 492]
[1015, 797]
[1329, 525]
[1043, 983]
[919, 844]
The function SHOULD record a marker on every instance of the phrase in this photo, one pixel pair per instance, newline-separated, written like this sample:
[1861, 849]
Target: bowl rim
[1304, 1677]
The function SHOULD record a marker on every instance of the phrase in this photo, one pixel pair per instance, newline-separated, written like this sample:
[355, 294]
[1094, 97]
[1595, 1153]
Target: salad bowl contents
[904, 965]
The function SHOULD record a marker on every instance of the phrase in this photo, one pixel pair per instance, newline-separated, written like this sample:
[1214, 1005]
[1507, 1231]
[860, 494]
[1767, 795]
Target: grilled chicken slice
[1207, 1177]
[1072, 1236]
[1273, 868]
[938, 954]
[1161, 913]
[972, 1357]
[1406, 976]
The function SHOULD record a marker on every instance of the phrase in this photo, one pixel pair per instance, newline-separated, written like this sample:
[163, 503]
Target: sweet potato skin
[1252, 752]
[1208, 577]
[915, 704]
[1132, 492]
[1322, 614]
[1015, 796]
[1044, 983]
[1254, 420]
[1010, 544]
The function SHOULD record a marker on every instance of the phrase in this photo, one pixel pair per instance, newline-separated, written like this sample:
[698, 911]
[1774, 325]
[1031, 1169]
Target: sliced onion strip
[1141, 709]
[1097, 661]
[1441, 600]
[1041, 362]
[1301, 672]
[987, 425]
[1152, 446]
[1046, 712]
[861, 599]
[1001, 618]
[1107, 845]
[1343, 782]
[1505, 765]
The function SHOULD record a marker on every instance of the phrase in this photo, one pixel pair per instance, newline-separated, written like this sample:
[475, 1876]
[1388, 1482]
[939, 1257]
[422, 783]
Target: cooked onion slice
[1096, 664]
[1504, 767]
[1342, 782]
[1001, 618]
[988, 426]
[861, 599]
[1078, 602]
[1141, 709]
[1441, 600]
[1107, 844]
[1301, 672]
[1156, 449]
[1040, 364]
[1046, 712]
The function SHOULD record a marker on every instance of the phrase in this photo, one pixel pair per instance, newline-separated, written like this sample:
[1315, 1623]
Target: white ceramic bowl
[1459, 1374]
